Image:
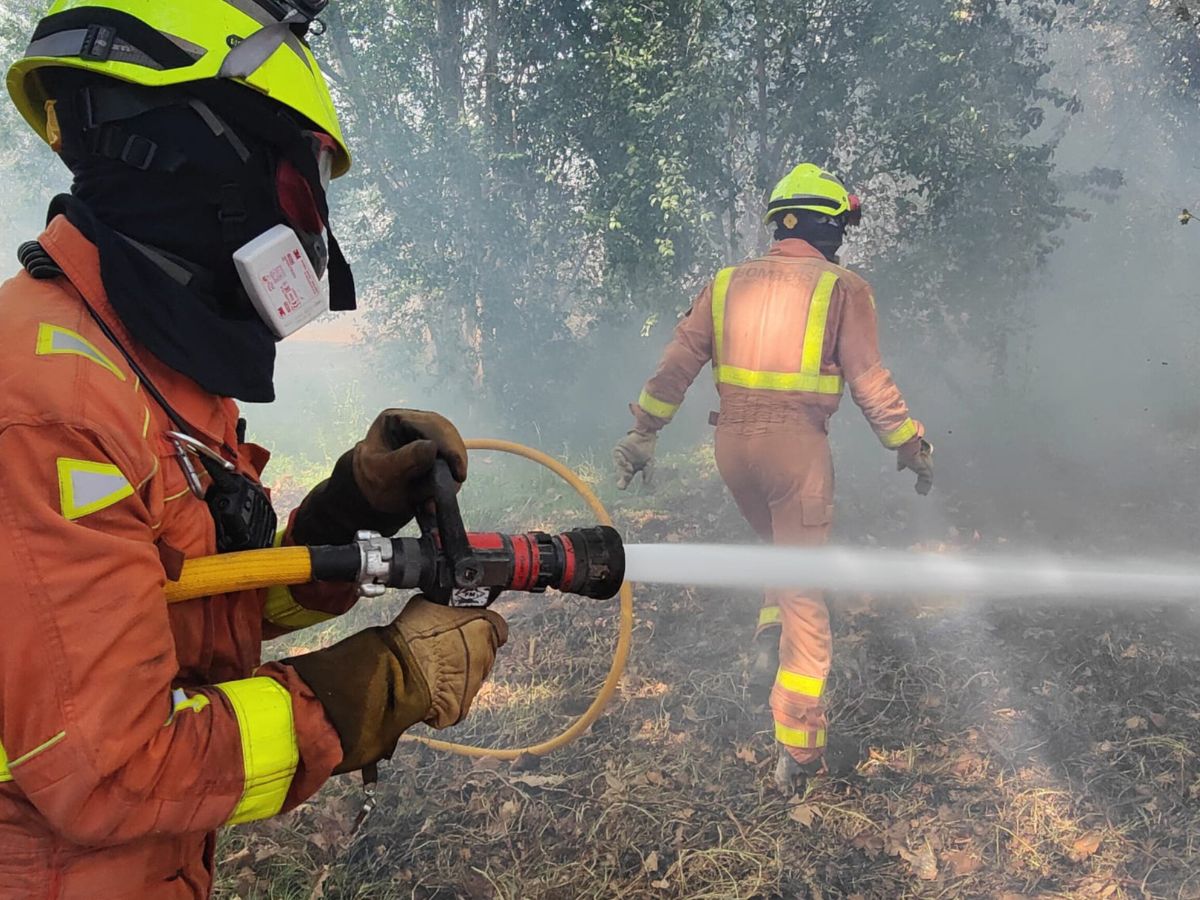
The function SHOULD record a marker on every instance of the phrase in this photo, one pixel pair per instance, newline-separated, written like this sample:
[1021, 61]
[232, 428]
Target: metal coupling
[375, 562]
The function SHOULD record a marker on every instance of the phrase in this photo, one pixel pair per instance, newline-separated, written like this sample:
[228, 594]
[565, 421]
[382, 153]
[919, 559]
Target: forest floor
[1016, 751]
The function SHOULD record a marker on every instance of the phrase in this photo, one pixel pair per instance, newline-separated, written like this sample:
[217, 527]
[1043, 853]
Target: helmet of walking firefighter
[156, 43]
[808, 190]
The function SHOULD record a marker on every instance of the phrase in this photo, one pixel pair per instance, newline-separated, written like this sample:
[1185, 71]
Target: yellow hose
[624, 630]
[249, 570]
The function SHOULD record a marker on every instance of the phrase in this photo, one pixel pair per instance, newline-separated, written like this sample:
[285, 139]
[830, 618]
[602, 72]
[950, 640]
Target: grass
[1016, 751]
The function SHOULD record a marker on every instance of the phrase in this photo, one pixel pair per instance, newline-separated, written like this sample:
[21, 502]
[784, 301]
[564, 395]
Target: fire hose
[453, 567]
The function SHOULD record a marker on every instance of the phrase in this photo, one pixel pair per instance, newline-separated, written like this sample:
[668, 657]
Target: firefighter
[784, 332]
[197, 131]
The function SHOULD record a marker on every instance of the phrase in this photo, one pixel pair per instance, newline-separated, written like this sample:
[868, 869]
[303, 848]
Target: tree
[527, 172]
[31, 172]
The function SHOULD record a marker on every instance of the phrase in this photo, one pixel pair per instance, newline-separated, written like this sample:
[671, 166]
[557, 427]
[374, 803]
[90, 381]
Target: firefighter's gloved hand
[427, 666]
[635, 453]
[393, 465]
[917, 455]
[455, 649]
[381, 482]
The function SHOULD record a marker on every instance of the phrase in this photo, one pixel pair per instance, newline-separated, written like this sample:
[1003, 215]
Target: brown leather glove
[917, 455]
[381, 482]
[427, 666]
[635, 453]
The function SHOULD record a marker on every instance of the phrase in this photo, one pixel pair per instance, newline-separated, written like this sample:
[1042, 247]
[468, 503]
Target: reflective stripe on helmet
[809, 379]
[270, 753]
[75, 42]
[658, 408]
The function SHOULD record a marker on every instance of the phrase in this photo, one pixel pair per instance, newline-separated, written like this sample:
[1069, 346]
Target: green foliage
[30, 170]
[530, 173]
[527, 172]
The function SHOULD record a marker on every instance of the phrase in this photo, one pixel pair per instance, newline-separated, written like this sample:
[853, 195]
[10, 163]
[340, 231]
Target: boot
[764, 665]
[841, 758]
[843, 755]
[791, 776]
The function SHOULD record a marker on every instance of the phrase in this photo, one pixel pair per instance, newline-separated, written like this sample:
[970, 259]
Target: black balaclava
[166, 233]
[822, 231]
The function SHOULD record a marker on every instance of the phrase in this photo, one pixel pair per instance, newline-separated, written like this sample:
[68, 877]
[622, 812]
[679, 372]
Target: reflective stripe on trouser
[781, 482]
[769, 616]
[270, 752]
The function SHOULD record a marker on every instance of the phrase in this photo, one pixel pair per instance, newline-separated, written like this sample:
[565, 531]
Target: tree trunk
[448, 59]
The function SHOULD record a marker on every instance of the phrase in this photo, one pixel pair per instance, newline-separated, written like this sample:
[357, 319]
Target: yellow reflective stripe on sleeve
[719, 290]
[53, 340]
[897, 437]
[281, 608]
[814, 330]
[269, 750]
[656, 407]
[779, 381]
[6, 765]
[768, 615]
[86, 487]
[805, 685]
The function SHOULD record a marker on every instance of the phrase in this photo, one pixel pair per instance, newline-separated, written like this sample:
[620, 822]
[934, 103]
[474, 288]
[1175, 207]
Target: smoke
[1093, 427]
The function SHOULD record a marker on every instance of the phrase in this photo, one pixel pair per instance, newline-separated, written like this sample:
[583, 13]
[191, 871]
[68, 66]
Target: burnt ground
[1015, 752]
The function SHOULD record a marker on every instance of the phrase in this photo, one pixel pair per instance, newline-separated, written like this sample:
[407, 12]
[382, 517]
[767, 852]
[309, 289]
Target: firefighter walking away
[785, 333]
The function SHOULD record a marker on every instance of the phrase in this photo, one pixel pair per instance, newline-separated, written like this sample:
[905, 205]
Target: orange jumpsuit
[784, 332]
[129, 729]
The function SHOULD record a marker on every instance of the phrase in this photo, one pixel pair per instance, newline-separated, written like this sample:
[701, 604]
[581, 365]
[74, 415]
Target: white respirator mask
[285, 270]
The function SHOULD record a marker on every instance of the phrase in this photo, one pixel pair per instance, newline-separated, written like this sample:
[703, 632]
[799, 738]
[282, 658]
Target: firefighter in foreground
[130, 731]
[784, 333]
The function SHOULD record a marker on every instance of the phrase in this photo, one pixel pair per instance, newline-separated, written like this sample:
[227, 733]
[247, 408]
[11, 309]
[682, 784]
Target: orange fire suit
[129, 729]
[784, 332]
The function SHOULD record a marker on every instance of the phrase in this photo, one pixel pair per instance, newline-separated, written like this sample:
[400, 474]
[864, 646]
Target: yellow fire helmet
[157, 43]
[810, 187]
